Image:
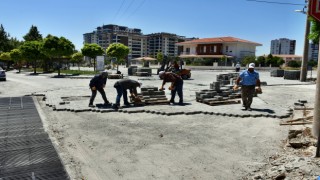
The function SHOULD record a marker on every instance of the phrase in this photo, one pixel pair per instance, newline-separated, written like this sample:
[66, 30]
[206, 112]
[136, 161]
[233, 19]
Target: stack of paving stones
[115, 76]
[151, 95]
[132, 70]
[26, 151]
[277, 73]
[144, 71]
[220, 92]
[292, 74]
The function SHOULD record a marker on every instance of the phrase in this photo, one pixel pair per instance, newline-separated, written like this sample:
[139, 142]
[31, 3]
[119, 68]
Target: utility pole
[304, 64]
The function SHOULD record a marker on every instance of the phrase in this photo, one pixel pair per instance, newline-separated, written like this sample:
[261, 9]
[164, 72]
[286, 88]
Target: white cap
[251, 65]
[161, 73]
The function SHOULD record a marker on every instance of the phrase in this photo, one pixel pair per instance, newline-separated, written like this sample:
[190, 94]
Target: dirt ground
[125, 146]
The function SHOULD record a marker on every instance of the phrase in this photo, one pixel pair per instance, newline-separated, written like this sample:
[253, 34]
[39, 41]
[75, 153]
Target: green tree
[278, 61]
[33, 34]
[160, 57]
[118, 51]
[269, 60]
[77, 58]
[294, 64]
[4, 40]
[57, 49]
[17, 58]
[315, 31]
[5, 56]
[261, 60]
[31, 52]
[92, 51]
[248, 59]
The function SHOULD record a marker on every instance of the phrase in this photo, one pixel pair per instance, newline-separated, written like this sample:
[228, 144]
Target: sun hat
[251, 65]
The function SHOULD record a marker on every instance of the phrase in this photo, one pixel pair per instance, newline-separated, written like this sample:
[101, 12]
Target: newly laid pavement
[26, 152]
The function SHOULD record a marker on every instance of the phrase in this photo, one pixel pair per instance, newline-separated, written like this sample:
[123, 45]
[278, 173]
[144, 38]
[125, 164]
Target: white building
[216, 48]
[283, 46]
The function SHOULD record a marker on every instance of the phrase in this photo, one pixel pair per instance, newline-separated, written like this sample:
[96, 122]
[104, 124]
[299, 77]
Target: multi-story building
[217, 48]
[313, 52]
[283, 46]
[164, 43]
[108, 34]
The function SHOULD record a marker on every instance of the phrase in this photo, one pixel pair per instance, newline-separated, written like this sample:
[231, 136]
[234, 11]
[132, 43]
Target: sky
[250, 20]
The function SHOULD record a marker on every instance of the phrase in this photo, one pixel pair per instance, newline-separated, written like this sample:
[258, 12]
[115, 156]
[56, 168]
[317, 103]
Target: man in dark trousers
[122, 86]
[176, 85]
[97, 83]
[249, 80]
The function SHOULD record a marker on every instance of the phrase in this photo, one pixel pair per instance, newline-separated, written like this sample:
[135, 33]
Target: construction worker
[176, 85]
[97, 83]
[249, 80]
[122, 86]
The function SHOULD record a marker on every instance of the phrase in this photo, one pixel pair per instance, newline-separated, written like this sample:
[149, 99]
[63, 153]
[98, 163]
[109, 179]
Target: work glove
[93, 88]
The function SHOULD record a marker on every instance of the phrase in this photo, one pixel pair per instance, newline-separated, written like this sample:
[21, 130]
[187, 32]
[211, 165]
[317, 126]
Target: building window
[214, 49]
[227, 48]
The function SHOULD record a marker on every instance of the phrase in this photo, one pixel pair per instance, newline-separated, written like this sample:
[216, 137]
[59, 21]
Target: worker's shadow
[103, 106]
[183, 104]
[270, 111]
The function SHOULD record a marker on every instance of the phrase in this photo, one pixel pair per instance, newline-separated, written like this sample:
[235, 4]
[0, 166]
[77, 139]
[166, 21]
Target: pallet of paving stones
[115, 76]
[217, 102]
[277, 73]
[151, 96]
[292, 74]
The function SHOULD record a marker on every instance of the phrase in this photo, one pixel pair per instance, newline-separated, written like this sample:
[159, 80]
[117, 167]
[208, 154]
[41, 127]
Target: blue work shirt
[248, 78]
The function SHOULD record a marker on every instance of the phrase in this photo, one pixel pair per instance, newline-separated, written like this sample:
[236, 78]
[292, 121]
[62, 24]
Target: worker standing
[122, 86]
[97, 83]
[176, 85]
[249, 80]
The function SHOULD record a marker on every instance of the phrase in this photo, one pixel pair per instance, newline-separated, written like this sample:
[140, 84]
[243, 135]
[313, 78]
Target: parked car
[2, 74]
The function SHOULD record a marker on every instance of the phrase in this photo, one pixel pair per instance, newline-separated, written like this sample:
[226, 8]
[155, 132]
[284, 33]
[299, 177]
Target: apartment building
[163, 42]
[283, 46]
[313, 52]
[108, 34]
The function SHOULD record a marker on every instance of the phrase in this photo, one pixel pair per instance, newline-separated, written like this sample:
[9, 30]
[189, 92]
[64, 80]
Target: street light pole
[304, 64]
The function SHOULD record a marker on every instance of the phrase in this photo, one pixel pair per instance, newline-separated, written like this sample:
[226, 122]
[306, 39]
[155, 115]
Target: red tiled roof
[218, 40]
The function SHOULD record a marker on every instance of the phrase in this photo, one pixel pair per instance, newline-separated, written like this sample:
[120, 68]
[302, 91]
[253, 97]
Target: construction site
[210, 136]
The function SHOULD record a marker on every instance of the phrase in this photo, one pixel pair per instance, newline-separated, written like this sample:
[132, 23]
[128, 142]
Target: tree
[248, 60]
[261, 60]
[4, 40]
[17, 58]
[159, 57]
[294, 64]
[278, 61]
[57, 49]
[77, 58]
[31, 52]
[6, 57]
[118, 51]
[33, 34]
[92, 51]
[315, 31]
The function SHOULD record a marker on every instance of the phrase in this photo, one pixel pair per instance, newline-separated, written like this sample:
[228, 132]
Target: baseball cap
[251, 65]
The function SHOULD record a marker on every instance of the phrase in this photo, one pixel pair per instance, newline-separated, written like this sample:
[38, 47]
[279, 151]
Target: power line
[122, 3]
[138, 7]
[275, 2]
[127, 8]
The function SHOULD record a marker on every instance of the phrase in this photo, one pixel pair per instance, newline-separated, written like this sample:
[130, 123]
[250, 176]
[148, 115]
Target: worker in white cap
[249, 80]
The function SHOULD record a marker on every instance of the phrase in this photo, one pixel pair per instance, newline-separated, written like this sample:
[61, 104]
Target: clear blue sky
[258, 22]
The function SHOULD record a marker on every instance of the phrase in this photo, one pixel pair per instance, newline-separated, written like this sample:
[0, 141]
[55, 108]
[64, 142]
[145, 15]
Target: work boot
[180, 102]
[107, 103]
[172, 101]
[91, 105]
[127, 104]
[115, 106]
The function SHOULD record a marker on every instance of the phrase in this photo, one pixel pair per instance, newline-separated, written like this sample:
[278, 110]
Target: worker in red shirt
[176, 85]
